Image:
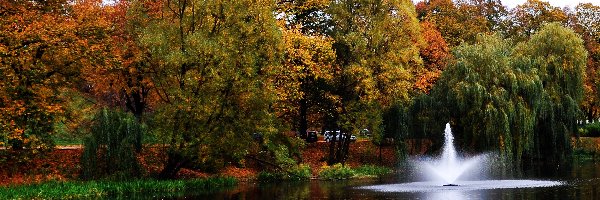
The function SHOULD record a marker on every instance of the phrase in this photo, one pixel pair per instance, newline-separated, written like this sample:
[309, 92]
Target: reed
[116, 189]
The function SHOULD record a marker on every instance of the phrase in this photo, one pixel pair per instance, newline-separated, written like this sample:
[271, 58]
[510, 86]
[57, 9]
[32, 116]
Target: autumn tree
[42, 48]
[376, 46]
[123, 80]
[435, 54]
[212, 62]
[307, 66]
[526, 19]
[586, 22]
[492, 10]
[457, 23]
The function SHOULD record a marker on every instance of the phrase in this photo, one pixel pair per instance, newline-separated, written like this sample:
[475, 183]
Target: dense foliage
[110, 150]
[519, 100]
[222, 81]
[113, 189]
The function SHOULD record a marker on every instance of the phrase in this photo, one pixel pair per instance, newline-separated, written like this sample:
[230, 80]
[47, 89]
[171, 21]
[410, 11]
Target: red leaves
[435, 55]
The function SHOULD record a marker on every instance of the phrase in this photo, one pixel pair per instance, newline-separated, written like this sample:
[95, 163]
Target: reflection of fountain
[449, 168]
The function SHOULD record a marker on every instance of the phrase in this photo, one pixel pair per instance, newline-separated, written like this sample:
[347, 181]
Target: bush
[590, 130]
[337, 171]
[269, 177]
[110, 150]
[301, 172]
[297, 173]
[372, 170]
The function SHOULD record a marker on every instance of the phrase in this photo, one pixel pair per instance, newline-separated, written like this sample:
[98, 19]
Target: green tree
[560, 58]
[213, 60]
[490, 98]
[376, 45]
[110, 150]
[521, 101]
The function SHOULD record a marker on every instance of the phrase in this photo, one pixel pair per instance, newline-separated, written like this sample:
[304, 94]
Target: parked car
[311, 136]
[338, 136]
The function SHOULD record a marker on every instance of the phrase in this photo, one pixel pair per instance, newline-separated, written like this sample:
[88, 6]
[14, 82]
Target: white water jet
[449, 168]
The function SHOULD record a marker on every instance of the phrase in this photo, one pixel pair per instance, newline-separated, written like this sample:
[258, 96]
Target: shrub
[301, 172]
[590, 130]
[269, 177]
[372, 170]
[110, 150]
[296, 173]
[337, 171]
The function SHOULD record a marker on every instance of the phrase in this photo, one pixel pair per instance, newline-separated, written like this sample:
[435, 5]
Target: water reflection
[580, 182]
[447, 195]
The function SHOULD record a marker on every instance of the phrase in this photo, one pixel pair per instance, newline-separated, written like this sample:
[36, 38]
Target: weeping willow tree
[110, 150]
[519, 101]
[560, 58]
[491, 98]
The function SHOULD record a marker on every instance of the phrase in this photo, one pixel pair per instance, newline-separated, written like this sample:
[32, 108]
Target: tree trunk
[380, 159]
[175, 162]
[303, 127]
[332, 144]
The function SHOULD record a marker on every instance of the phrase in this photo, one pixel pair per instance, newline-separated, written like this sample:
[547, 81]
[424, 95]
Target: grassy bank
[338, 171]
[116, 190]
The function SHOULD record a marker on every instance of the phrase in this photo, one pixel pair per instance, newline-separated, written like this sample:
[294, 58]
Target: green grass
[297, 173]
[109, 189]
[338, 171]
[371, 171]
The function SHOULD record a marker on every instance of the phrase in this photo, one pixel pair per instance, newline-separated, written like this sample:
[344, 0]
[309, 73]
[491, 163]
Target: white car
[329, 136]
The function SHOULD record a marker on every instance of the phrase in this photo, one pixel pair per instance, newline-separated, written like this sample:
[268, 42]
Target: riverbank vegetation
[231, 84]
[116, 189]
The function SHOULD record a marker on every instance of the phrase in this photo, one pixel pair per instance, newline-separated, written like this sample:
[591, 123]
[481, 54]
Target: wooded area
[217, 81]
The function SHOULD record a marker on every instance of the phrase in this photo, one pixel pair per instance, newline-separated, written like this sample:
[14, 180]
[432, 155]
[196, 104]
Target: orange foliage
[435, 55]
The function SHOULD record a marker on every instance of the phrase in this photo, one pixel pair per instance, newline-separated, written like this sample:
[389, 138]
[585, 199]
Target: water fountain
[447, 170]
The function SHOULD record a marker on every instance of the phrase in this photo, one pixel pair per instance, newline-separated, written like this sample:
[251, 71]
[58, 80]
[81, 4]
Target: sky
[555, 3]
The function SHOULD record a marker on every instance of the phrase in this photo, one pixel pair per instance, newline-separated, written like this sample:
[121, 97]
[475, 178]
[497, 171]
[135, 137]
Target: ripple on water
[462, 185]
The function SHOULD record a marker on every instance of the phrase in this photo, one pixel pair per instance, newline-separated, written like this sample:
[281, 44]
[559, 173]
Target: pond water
[579, 181]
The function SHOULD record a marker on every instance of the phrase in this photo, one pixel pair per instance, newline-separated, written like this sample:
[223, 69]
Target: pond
[579, 181]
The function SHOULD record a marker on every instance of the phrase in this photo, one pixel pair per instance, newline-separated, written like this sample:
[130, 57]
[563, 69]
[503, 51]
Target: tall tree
[435, 54]
[560, 57]
[526, 19]
[586, 22]
[43, 45]
[521, 101]
[490, 98]
[458, 23]
[376, 46]
[493, 11]
[123, 80]
[307, 67]
[213, 59]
